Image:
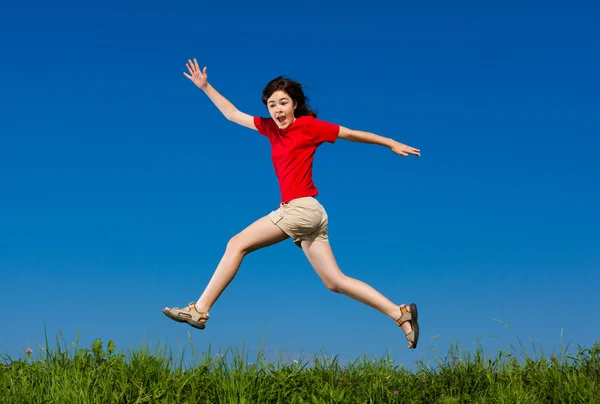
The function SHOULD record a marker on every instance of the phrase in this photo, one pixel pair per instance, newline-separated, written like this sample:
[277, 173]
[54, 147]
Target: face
[281, 108]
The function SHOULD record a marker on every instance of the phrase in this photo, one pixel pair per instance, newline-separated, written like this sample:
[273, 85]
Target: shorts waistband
[296, 199]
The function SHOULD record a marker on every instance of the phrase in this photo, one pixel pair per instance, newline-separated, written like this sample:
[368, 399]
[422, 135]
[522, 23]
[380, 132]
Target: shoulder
[322, 131]
[312, 123]
[316, 122]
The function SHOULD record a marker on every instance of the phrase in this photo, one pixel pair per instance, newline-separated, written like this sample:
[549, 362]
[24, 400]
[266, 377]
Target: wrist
[389, 142]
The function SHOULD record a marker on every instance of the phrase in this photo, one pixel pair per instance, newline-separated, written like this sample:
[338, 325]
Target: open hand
[198, 77]
[404, 150]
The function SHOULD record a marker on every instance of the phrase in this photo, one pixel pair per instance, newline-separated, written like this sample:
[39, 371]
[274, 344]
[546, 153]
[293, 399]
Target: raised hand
[198, 77]
[404, 150]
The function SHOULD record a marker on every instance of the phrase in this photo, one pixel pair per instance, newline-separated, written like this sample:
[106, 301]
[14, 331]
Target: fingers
[195, 71]
[413, 151]
[405, 151]
[193, 68]
[190, 66]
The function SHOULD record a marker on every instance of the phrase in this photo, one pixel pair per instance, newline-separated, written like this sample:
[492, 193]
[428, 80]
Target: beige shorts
[302, 219]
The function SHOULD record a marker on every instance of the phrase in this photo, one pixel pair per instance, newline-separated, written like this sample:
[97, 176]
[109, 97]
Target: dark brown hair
[294, 90]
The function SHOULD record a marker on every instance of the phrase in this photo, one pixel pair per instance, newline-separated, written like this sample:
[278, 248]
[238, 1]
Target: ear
[295, 104]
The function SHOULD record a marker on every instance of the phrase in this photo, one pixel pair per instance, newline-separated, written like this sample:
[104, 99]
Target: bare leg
[321, 258]
[259, 234]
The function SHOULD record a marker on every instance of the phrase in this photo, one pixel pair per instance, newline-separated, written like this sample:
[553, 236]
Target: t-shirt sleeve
[261, 125]
[325, 131]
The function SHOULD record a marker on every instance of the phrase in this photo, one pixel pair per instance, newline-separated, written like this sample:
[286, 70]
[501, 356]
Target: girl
[294, 133]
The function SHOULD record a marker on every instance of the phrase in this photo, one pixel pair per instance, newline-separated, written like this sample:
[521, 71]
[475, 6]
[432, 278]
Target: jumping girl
[294, 133]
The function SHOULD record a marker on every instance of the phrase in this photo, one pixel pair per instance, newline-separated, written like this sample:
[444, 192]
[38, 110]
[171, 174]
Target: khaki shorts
[302, 219]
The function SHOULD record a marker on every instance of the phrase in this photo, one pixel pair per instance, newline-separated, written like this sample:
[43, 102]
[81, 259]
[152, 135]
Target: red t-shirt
[293, 150]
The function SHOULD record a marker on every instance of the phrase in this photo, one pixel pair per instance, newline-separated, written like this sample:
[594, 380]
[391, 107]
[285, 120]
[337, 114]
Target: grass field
[101, 374]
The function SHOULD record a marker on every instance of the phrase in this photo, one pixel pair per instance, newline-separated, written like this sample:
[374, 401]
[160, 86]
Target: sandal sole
[414, 323]
[194, 324]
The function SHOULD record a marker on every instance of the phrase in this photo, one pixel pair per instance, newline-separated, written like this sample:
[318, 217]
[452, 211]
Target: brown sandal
[410, 316]
[188, 315]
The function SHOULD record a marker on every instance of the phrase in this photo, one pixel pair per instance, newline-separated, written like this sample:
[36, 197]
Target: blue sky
[121, 183]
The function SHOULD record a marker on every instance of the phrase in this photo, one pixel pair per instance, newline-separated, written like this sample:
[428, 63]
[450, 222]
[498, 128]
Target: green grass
[100, 374]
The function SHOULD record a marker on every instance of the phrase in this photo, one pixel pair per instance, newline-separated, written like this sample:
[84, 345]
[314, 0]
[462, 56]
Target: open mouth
[281, 118]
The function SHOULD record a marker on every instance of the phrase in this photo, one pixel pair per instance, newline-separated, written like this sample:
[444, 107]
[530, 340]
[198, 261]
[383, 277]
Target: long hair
[294, 90]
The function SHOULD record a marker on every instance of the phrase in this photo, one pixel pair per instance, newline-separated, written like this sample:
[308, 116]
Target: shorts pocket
[276, 216]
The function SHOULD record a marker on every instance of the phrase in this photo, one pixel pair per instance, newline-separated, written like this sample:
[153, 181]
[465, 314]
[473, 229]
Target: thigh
[261, 233]
[320, 256]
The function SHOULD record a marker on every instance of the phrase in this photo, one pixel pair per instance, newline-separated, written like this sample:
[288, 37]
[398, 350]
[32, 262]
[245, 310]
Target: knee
[336, 285]
[237, 245]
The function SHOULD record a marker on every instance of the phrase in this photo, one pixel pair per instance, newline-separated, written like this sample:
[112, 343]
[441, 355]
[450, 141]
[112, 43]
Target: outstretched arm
[200, 79]
[365, 137]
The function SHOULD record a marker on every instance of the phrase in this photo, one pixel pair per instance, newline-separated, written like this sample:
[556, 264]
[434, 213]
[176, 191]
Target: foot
[189, 314]
[406, 319]
[189, 309]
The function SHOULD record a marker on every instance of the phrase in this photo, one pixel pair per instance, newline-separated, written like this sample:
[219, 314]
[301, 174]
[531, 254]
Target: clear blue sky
[121, 183]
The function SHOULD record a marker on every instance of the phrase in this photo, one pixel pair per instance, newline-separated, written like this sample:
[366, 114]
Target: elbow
[352, 137]
[230, 114]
